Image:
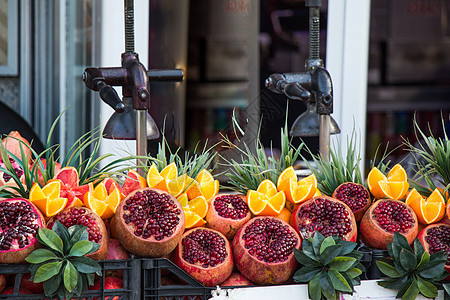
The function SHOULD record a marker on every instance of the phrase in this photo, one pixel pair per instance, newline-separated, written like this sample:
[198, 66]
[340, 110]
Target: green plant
[412, 272]
[329, 266]
[60, 264]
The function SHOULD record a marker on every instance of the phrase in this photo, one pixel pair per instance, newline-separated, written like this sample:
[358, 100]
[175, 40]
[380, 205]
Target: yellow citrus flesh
[203, 185]
[170, 171]
[176, 186]
[256, 202]
[428, 211]
[153, 176]
[52, 189]
[36, 192]
[267, 188]
[100, 191]
[373, 181]
[198, 205]
[261, 204]
[193, 220]
[183, 199]
[287, 173]
[55, 206]
[397, 173]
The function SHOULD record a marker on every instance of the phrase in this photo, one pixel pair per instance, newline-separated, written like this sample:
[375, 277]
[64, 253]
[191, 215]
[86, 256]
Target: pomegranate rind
[423, 234]
[350, 236]
[260, 272]
[147, 247]
[359, 213]
[2, 282]
[376, 237]
[226, 226]
[15, 143]
[236, 279]
[18, 256]
[102, 252]
[210, 276]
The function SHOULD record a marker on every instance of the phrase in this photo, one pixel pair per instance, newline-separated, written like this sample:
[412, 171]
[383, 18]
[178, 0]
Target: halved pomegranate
[20, 221]
[149, 222]
[383, 218]
[327, 215]
[6, 179]
[263, 250]
[205, 254]
[355, 195]
[95, 227]
[227, 213]
[435, 238]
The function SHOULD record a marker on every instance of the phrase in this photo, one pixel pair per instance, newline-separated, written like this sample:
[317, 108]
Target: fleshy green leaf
[307, 249]
[51, 239]
[400, 240]
[393, 284]
[305, 274]
[81, 285]
[326, 284]
[426, 288]
[63, 233]
[342, 263]
[317, 240]
[353, 272]
[314, 290]
[47, 271]
[95, 247]
[338, 281]
[70, 277]
[52, 284]
[347, 247]
[329, 254]
[404, 288]
[408, 260]
[304, 260]
[40, 256]
[78, 233]
[388, 269]
[80, 248]
[418, 250]
[412, 292]
[425, 258]
[86, 265]
[329, 241]
[446, 287]
[395, 251]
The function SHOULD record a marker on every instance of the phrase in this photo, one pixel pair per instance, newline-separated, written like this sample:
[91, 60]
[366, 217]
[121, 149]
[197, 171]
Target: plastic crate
[182, 286]
[131, 281]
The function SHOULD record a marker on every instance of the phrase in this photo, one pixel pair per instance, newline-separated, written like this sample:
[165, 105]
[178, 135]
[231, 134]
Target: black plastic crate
[131, 277]
[182, 286]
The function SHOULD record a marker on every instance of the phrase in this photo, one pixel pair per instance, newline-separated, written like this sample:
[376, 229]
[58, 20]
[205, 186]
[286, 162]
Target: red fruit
[116, 251]
[20, 221]
[435, 238]
[40, 177]
[385, 217]
[70, 188]
[6, 179]
[227, 213]
[263, 250]
[355, 195]
[327, 215]
[10, 291]
[236, 279]
[27, 284]
[149, 222]
[111, 283]
[16, 144]
[133, 182]
[205, 254]
[2, 282]
[95, 227]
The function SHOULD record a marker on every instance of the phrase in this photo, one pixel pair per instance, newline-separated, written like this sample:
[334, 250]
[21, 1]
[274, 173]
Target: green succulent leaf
[78, 233]
[329, 241]
[94, 248]
[326, 284]
[418, 250]
[347, 247]
[338, 281]
[342, 263]
[51, 239]
[63, 233]
[426, 288]
[47, 271]
[307, 249]
[400, 240]
[304, 260]
[305, 274]
[446, 287]
[394, 251]
[52, 284]
[80, 248]
[70, 277]
[353, 273]
[41, 255]
[412, 291]
[404, 288]
[329, 254]
[317, 240]
[388, 269]
[408, 260]
[424, 259]
[393, 284]
[86, 265]
[314, 289]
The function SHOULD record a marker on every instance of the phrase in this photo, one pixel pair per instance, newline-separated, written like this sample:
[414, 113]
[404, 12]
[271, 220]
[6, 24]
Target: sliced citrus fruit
[183, 199]
[52, 189]
[429, 210]
[133, 181]
[204, 185]
[176, 186]
[373, 178]
[198, 205]
[397, 173]
[153, 176]
[287, 173]
[68, 176]
[170, 171]
[300, 191]
[36, 192]
[102, 203]
[192, 219]
[266, 201]
[267, 187]
[394, 186]
[48, 198]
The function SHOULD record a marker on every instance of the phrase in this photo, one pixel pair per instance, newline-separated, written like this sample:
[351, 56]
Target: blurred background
[389, 61]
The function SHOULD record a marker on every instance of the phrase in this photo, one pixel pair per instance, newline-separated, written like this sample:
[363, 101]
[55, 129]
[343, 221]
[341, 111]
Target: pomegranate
[2, 282]
[205, 254]
[10, 291]
[263, 250]
[38, 168]
[95, 227]
[435, 238]
[149, 222]
[383, 218]
[327, 215]
[116, 251]
[19, 224]
[236, 279]
[111, 283]
[227, 213]
[27, 284]
[355, 195]
[16, 144]
[6, 179]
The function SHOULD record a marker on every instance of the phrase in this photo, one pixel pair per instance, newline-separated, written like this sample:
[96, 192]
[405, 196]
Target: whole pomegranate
[27, 284]
[149, 222]
[263, 250]
[20, 221]
[205, 254]
[227, 213]
[355, 195]
[327, 215]
[435, 238]
[116, 251]
[2, 282]
[383, 218]
[236, 279]
[111, 283]
[95, 227]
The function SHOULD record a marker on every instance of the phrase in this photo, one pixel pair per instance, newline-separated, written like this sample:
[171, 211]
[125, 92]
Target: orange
[203, 185]
[102, 203]
[192, 219]
[194, 210]
[266, 201]
[153, 176]
[198, 205]
[176, 185]
[297, 192]
[285, 215]
[183, 199]
[48, 198]
[429, 210]
[394, 186]
[287, 173]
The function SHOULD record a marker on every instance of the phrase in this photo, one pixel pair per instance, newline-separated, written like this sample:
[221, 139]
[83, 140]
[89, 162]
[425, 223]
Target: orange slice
[203, 185]
[102, 203]
[394, 186]
[429, 210]
[297, 192]
[194, 210]
[192, 219]
[176, 186]
[266, 201]
[153, 176]
[170, 171]
[267, 187]
[47, 199]
[198, 205]
[287, 173]
[397, 173]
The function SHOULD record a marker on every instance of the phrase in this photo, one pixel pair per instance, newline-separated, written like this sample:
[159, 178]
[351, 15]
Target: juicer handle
[110, 96]
[165, 75]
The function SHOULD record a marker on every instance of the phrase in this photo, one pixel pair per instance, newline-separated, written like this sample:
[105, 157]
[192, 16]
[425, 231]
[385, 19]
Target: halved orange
[394, 186]
[48, 198]
[297, 192]
[429, 210]
[203, 185]
[102, 203]
[266, 201]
